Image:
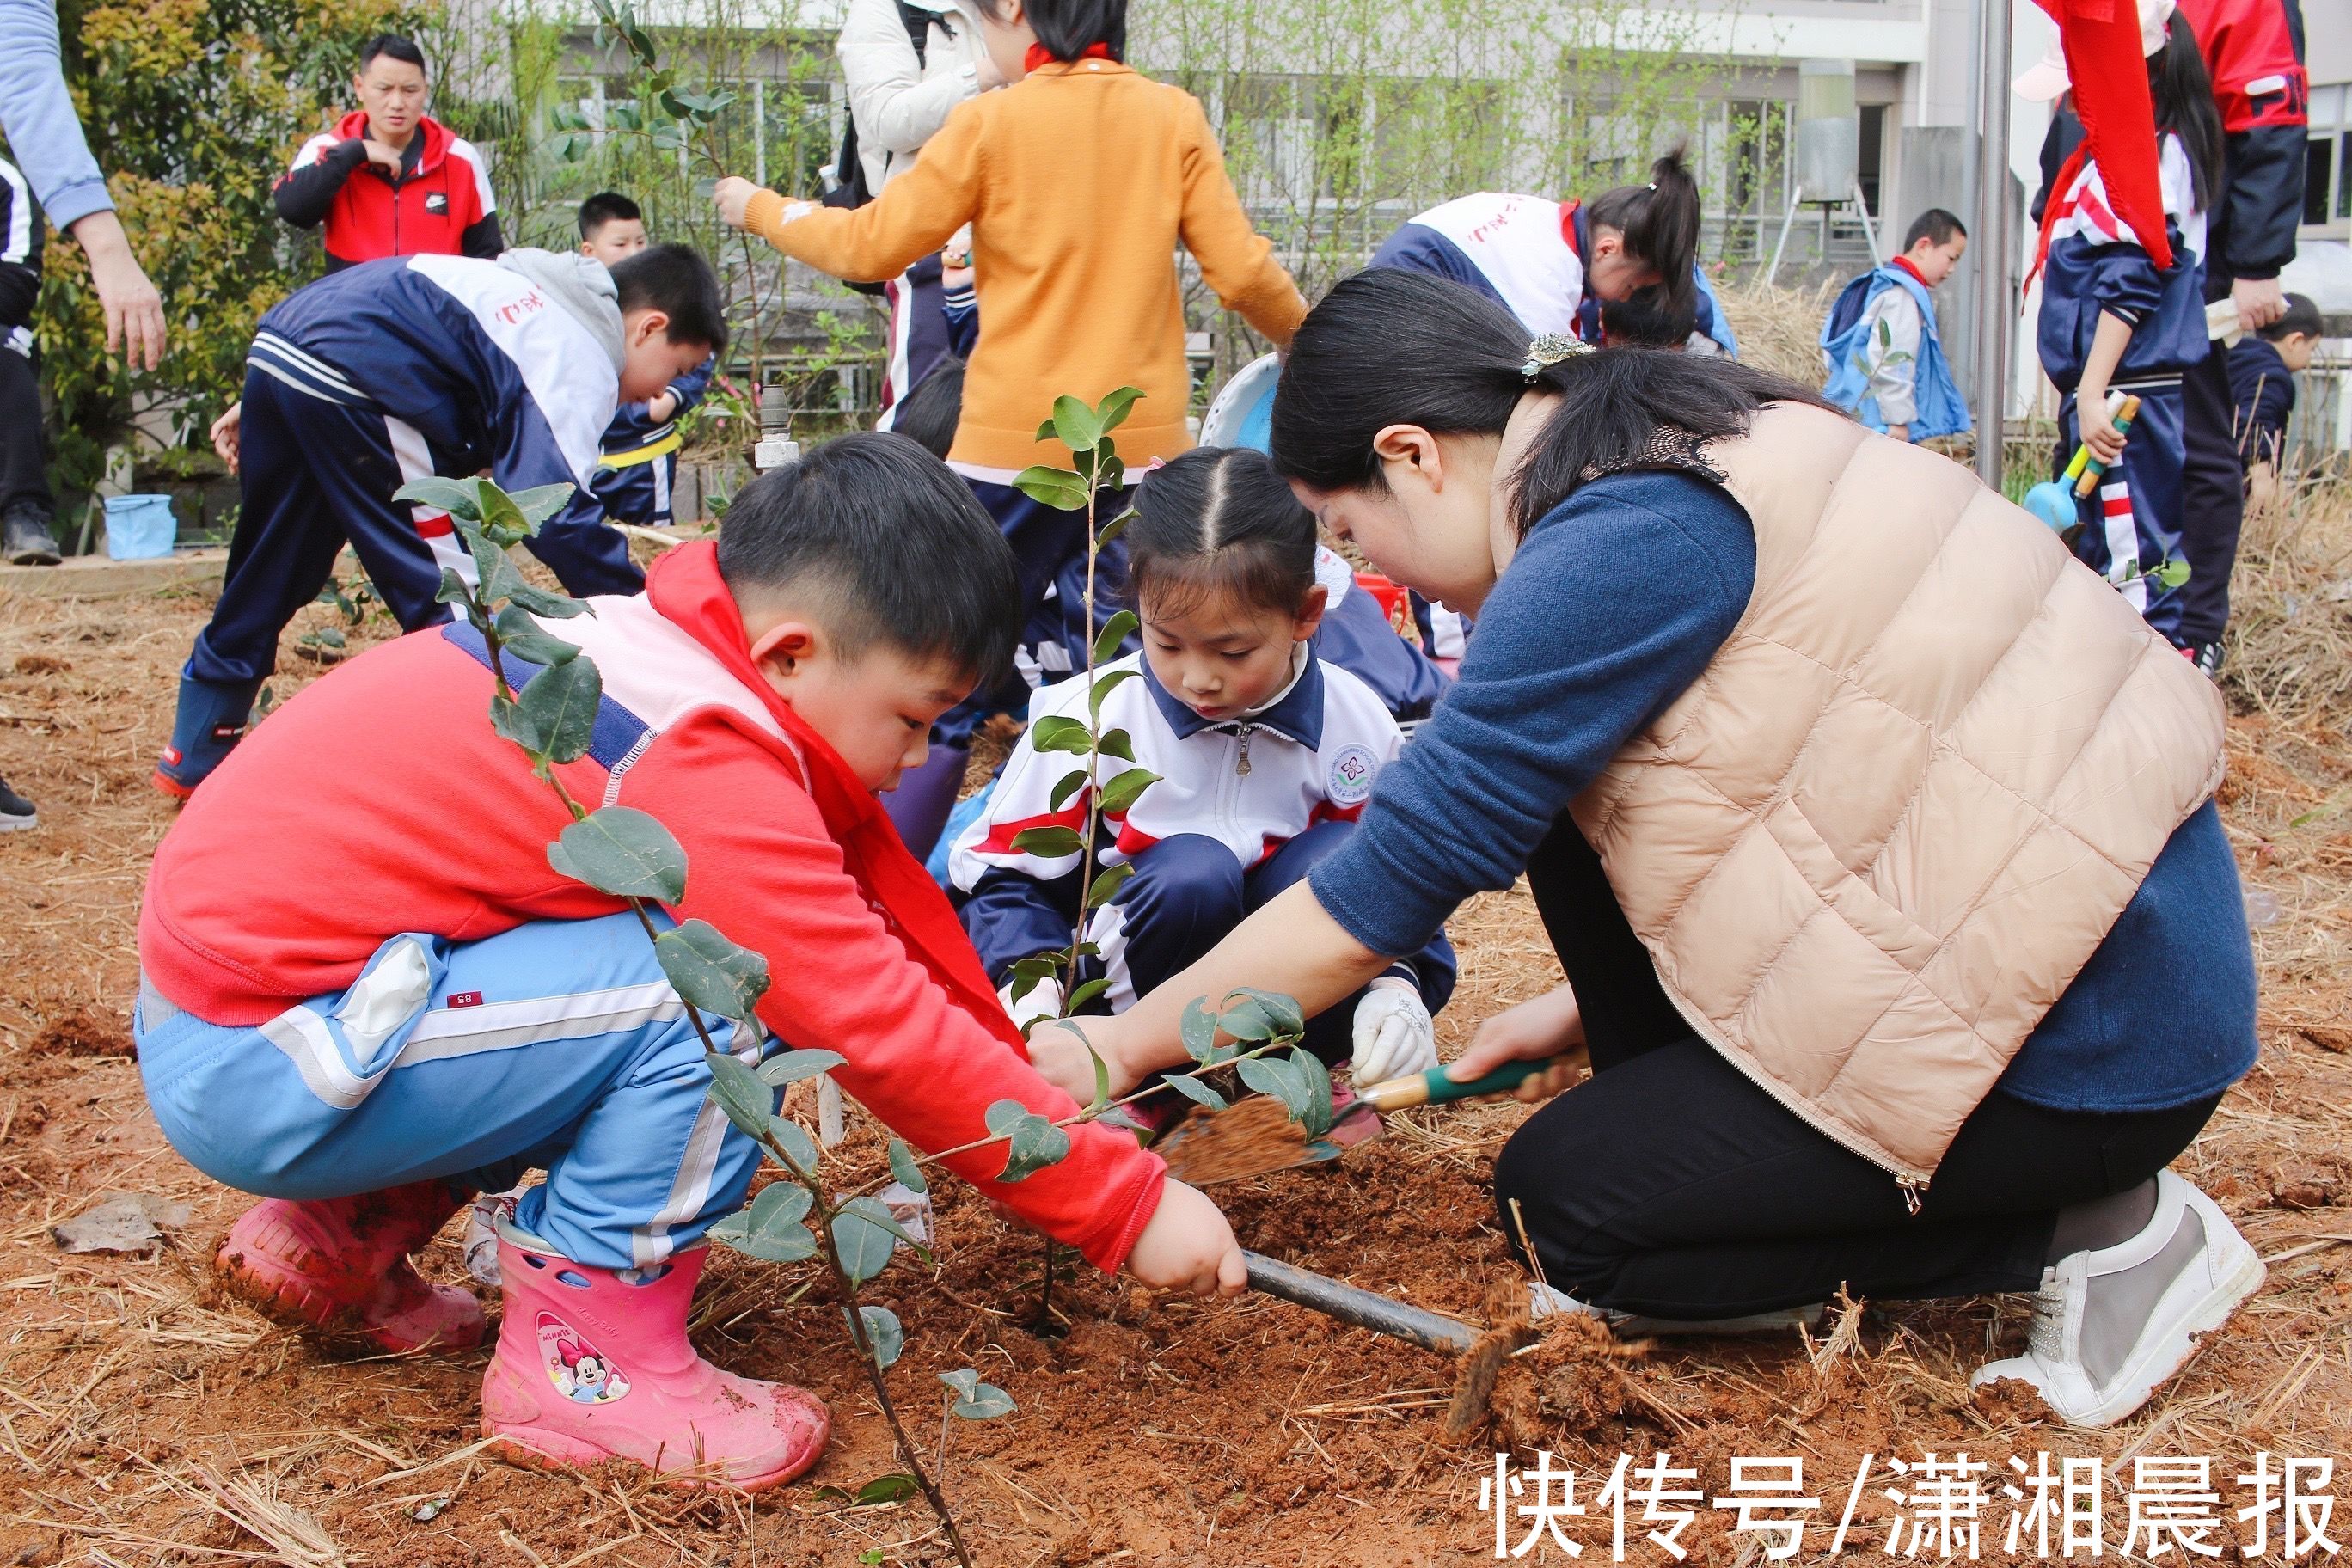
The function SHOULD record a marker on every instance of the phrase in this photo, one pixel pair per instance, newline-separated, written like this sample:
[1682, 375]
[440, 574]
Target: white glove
[1043, 1000]
[1392, 1032]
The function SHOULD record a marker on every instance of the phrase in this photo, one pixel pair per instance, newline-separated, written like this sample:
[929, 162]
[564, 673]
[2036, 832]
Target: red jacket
[2254, 51]
[440, 205]
[378, 801]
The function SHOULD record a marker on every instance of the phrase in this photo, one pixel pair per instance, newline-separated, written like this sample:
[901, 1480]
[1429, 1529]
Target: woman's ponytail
[1660, 222]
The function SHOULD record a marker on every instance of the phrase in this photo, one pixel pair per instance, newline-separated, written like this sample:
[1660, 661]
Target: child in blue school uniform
[2112, 323]
[1265, 755]
[1885, 357]
[636, 477]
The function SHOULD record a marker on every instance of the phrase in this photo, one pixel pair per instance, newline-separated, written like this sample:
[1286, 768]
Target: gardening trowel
[2053, 500]
[1257, 1136]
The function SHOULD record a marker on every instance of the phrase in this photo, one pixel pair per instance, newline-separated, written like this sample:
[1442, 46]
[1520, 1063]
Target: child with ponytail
[1079, 181]
[2111, 323]
[1554, 265]
[1265, 755]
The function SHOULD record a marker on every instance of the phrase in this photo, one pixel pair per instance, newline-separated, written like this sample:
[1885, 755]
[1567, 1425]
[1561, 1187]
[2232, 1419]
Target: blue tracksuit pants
[315, 475]
[557, 1045]
[1049, 549]
[2131, 520]
[1187, 895]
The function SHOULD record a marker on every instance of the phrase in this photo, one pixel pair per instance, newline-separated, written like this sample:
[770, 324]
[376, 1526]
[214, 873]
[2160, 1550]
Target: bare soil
[143, 1419]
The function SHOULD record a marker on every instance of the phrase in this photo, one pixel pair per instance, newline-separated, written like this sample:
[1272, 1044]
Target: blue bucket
[140, 528]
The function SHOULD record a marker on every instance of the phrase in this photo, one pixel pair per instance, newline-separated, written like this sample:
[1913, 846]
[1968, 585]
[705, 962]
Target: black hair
[675, 278]
[1069, 28]
[1660, 223]
[1935, 225]
[1218, 520]
[2183, 96]
[1645, 321]
[1390, 347]
[927, 415]
[893, 545]
[2302, 316]
[607, 206]
[394, 45]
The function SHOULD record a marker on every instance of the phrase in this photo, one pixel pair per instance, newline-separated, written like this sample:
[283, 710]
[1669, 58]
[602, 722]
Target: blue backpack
[1942, 411]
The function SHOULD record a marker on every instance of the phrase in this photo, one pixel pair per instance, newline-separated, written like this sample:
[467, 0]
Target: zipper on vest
[1912, 1187]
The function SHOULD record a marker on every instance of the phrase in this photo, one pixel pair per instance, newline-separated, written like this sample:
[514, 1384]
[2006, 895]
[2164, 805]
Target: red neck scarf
[1039, 57]
[1905, 263]
[685, 588]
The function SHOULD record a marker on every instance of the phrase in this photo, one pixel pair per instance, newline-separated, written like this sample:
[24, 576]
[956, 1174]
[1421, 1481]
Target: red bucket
[1392, 596]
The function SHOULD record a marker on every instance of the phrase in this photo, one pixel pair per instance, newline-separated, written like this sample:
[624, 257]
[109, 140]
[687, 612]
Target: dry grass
[2290, 653]
[1780, 329]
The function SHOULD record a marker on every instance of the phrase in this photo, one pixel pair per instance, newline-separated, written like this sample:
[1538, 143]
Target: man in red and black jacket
[389, 179]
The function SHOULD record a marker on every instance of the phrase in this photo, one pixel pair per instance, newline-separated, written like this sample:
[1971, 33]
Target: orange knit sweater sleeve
[917, 212]
[1236, 261]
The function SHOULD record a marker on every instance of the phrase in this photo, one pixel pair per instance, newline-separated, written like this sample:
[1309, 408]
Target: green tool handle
[1433, 1087]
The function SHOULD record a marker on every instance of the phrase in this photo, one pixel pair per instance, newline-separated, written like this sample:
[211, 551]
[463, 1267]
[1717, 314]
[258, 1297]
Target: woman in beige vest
[1874, 836]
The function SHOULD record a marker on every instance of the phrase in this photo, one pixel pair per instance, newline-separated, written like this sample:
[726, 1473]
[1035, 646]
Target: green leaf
[1115, 527]
[1122, 792]
[749, 1103]
[985, 1403]
[1272, 1075]
[2172, 574]
[1105, 685]
[875, 1211]
[789, 1136]
[1075, 425]
[1031, 1142]
[540, 502]
[1115, 631]
[882, 1332]
[541, 602]
[1047, 842]
[1314, 1083]
[1112, 411]
[622, 851]
[453, 589]
[521, 636]
[771, 1229]
[1085, 994]
[1068, 785]
[495, 576]
[1281, 1011]
[874, 1493]
[1041, 966]
[794, 1066]
[1110, 474]
[710, 972]
[1193, 1090]
[503, 522]
[1060, 732]
[863, 1240]
[964, 1382]
[1246, 1020]
[559, 707]
[1056, 487]
[903, 1166]
[1117, 743]
[1198, 1026]
[1102, 1067]
[1110, 882]
[459, 498]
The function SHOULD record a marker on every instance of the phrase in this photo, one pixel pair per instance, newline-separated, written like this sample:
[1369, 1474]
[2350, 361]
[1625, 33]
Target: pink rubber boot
[339, 1268]
[591, 1368]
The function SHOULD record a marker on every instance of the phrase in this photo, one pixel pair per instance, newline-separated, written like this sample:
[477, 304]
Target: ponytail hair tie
[1549, 350]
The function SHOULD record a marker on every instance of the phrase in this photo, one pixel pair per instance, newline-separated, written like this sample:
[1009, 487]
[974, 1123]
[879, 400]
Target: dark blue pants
[1187, 895]
[2131, 520]
[2214, 497]
[1049, 550]
[314, 476]
[642, 493]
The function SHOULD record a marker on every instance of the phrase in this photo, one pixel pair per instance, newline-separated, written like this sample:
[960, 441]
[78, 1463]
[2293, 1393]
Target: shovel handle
[1433, 1087]
[1364, 1308]
[2124, 412]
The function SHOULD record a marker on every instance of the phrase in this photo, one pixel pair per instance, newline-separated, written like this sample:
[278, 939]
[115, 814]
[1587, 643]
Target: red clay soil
[146, 1419]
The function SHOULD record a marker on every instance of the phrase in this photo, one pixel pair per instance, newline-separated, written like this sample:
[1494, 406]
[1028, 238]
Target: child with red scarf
[365, 994]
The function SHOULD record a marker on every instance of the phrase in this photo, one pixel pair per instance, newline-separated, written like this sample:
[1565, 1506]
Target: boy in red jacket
[365, 994]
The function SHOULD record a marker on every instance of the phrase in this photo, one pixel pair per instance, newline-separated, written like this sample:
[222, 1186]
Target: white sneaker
[2111, 1325]
[1543, 1301]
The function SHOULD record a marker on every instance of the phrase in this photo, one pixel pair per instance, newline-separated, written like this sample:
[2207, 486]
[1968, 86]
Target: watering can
[2053, 500]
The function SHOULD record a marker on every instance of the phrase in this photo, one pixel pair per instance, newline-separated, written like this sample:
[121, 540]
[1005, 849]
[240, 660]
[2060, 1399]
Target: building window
[1871, 162]
[2318, 169]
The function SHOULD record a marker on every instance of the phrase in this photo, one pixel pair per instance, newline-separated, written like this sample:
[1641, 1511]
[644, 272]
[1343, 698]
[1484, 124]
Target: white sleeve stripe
[461, 148]
[20, 214]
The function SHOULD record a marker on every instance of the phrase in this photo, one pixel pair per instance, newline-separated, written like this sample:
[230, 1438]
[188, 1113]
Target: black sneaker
[16, 811]
[2207, 658]
[29, 541]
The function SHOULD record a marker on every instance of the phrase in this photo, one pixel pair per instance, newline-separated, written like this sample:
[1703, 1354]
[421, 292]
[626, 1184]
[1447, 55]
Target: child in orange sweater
[1079, 180]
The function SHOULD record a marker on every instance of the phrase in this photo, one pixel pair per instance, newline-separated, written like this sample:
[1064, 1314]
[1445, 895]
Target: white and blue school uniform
[1357, 636]
[1885, 359]
[1243, 807]
[398, 370]
[2095, 265]
[637, 476]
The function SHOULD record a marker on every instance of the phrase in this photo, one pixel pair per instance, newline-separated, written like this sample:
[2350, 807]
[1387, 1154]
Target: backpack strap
[917, 23]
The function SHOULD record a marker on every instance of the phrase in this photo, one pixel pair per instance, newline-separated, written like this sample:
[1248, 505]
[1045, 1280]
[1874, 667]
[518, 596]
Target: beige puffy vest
[1890, 822]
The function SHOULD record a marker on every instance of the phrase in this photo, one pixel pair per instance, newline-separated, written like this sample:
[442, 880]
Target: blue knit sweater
[1615, 601]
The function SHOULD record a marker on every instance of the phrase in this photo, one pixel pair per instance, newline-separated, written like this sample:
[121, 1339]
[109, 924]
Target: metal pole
[1364, 1308]
[1996, 297]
